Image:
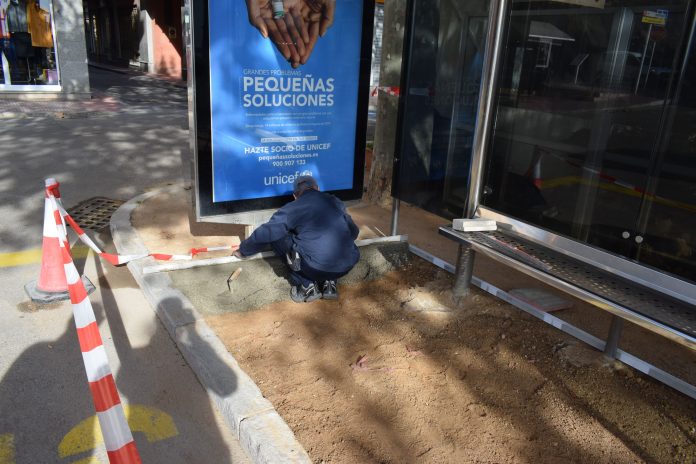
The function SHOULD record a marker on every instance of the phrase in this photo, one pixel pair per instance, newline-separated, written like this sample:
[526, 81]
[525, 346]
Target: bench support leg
[615, 330]
[396, 203]
[465, 269]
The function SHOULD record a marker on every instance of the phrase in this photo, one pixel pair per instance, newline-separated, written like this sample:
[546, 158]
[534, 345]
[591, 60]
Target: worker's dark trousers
[306, 275]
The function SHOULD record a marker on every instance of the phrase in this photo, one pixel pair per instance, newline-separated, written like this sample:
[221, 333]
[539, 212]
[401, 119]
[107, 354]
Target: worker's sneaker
[302, 294]
[328, 290]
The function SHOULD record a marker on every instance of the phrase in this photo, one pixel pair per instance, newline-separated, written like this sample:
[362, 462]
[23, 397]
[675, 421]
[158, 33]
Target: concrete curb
[263, 434]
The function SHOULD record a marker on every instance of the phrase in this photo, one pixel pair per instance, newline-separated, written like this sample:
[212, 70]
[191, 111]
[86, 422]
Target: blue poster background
[259, 148]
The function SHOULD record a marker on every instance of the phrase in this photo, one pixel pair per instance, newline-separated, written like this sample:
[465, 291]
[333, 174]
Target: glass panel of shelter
[582, 94]
[443, 80]
[666, 229]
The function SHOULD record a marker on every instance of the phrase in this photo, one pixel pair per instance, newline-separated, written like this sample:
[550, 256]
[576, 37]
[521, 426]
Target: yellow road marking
[89, 460]
[21, 258]
[7, 449]
[85, 436]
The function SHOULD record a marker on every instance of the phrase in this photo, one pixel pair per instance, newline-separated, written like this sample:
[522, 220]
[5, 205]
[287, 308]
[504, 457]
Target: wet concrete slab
[265, 281]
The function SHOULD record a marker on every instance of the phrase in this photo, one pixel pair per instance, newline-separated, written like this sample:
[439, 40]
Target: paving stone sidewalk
[113, 90]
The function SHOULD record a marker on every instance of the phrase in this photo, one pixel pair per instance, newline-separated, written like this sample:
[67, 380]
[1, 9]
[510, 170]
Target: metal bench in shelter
[624, 299]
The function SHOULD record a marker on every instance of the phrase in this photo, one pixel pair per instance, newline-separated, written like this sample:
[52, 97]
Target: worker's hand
[237, 254]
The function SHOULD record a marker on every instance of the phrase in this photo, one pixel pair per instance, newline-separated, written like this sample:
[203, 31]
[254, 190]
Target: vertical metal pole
[614, 335]
[487, 92]
[191, 44]
[117, 32]
[647, 73]
[482, 130]
[395, 215]
[642, 58]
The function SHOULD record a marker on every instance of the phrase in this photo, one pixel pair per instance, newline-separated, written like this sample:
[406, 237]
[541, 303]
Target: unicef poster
[284, 89]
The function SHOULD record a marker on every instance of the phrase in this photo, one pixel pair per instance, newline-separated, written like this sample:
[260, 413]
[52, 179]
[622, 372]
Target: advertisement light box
[279, 90]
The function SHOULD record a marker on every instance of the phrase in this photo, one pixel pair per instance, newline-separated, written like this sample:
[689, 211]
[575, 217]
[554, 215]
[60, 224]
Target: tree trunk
[380, 180]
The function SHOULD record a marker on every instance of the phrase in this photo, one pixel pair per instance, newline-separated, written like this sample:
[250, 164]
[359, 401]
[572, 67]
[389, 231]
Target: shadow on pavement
[146, 376]
[45, 389]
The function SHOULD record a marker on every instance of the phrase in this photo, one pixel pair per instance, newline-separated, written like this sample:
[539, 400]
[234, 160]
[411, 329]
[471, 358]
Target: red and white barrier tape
[192, 253]
[118, 438]
[118, 260]
[394, 91]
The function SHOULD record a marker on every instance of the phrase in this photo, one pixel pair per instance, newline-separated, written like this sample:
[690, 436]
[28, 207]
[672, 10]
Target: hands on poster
[296, 28]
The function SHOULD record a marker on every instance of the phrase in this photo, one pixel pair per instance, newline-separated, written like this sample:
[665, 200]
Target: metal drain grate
[661, 308]
[95, 213]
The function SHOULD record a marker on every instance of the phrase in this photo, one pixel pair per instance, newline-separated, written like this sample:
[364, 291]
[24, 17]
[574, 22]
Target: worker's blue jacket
[320, 227]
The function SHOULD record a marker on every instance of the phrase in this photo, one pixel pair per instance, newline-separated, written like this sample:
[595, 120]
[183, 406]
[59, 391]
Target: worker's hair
[304, 183]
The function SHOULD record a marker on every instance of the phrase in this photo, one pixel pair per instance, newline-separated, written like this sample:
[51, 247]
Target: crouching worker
[314, 235]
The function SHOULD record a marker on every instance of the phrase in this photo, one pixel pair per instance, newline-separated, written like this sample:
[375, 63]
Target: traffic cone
[52, 276]
[536, 175]
[534, 171]
[52, 284]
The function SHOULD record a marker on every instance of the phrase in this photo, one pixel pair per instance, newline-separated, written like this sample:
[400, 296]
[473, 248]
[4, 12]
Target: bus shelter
[566, 123]
[570, 124]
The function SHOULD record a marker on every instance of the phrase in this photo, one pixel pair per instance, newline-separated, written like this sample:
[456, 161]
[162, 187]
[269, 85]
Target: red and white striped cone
[52, 277]
[118, 439]
[51, 285]
[536, 175]
[534, 171]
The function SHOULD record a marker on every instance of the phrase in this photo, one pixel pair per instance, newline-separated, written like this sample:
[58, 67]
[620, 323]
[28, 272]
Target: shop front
[34, 38]
[28, 47]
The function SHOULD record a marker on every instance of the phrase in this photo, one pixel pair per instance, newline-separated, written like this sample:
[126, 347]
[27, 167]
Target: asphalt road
[46, 411]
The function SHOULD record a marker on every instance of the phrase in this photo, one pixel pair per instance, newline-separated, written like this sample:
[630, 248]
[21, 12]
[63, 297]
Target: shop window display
[27, 46]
